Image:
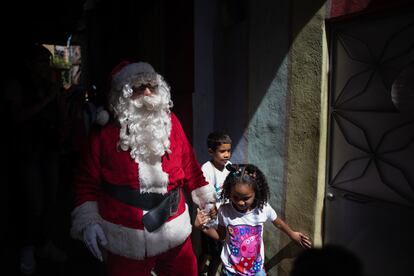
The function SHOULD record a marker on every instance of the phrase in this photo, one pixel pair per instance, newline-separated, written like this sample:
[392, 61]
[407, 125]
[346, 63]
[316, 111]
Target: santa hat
[125, 71]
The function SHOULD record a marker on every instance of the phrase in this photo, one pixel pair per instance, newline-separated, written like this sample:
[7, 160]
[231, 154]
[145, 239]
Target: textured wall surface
[305, 81]
[268, 92]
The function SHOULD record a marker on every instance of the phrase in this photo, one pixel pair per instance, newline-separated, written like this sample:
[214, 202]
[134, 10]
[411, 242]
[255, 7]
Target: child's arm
[201, 219]
[298, 237]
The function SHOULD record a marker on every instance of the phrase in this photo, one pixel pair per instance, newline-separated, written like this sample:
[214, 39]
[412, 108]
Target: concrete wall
[268, 104]
[305, 172]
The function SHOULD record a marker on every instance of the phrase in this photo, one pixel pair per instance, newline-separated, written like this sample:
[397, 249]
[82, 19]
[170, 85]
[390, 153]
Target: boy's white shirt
[229, 216]
[215, 178]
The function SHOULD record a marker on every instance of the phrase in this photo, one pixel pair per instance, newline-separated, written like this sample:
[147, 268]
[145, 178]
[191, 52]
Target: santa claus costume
[132, 176]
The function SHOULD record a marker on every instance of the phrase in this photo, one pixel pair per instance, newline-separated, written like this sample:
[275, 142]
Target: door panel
[370, 178]
[379, 233]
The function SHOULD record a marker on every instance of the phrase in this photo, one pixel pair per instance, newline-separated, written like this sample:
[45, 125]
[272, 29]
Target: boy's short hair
[216, 139]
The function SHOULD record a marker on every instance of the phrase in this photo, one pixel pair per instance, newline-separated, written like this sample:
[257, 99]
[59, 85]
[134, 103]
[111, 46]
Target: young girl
[241, 221]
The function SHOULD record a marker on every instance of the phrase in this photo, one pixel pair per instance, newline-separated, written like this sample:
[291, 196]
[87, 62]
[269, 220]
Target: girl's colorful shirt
[243, 251]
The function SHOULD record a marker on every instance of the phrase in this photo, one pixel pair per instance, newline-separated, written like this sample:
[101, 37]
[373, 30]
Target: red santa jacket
[122, 223]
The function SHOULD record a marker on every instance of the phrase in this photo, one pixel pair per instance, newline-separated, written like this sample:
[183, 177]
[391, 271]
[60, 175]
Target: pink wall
[343, 7]
[346, 7]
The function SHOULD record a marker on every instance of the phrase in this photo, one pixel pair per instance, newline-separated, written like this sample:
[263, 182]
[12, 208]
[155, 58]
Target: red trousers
[176, 261]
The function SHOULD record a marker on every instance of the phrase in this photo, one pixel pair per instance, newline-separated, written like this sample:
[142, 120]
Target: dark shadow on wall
[251, 42]
[291, 250]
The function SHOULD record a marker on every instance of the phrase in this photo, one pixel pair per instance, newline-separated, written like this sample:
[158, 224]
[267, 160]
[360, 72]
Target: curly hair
[247, 174]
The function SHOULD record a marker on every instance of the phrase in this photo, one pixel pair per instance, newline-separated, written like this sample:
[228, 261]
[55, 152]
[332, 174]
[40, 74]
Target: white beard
[145, 131]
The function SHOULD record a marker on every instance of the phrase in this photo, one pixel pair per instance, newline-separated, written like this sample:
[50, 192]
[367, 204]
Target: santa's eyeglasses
[141, 88]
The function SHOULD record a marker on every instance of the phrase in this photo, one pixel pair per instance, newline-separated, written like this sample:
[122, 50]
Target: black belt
[160, 207]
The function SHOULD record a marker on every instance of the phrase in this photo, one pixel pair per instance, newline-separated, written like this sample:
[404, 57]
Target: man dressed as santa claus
[129, 189]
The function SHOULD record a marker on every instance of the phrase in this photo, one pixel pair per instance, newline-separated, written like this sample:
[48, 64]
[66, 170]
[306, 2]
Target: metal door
[369, 204]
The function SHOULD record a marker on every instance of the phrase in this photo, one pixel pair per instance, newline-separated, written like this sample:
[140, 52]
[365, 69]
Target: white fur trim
[152, 179]
[203, 195]
[133, 243]
[82, 216]
[129, 242]
[170, 235]
[132, 69]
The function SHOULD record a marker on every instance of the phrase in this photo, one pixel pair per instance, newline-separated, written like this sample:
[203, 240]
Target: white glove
[91, 236]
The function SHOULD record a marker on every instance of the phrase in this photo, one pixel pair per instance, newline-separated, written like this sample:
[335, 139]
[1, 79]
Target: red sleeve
[88, 177]
[193, 173]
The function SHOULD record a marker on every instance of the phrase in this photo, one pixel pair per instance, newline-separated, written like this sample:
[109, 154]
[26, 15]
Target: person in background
[129, 190]
[32, 100]
[241, 219]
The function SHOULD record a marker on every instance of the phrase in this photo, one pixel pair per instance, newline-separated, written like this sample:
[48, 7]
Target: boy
[215, 172]
[219, 148]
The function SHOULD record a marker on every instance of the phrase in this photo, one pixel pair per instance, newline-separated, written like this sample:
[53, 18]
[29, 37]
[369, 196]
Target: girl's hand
[301, 239]
[201, 219]
[213, 212]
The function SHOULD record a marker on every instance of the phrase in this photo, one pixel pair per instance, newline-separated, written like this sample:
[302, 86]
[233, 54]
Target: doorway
[369, 204]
